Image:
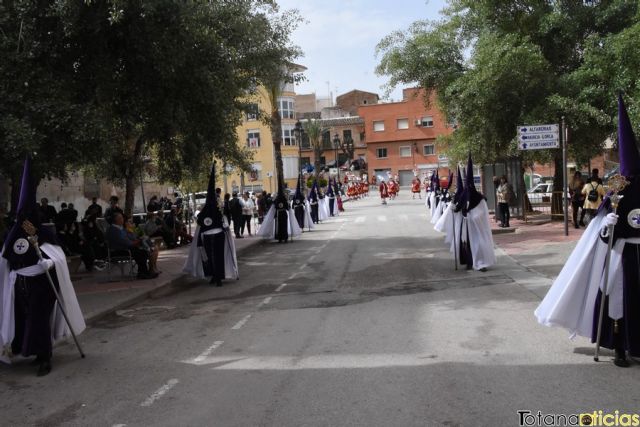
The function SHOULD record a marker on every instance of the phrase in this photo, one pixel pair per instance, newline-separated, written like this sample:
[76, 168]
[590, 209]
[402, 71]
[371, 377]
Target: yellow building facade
[255, 134]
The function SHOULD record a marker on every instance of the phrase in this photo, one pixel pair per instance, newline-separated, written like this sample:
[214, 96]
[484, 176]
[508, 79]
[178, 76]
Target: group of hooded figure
[464, 218]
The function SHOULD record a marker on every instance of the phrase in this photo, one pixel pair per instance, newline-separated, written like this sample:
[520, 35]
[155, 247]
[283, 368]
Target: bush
[322, 182]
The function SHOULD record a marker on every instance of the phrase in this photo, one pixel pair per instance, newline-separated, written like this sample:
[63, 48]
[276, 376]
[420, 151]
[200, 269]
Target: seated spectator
[94, 248]
[147, 244]
[154, 205]
[47, 212]
[94, 209]
[119, 241]
[154, 227]
[176, 227]
[112, 209]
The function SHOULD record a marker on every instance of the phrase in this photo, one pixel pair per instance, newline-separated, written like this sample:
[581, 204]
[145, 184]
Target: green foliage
[497, 64]
[322, 182]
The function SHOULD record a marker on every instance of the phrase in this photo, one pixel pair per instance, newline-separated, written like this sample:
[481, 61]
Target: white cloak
[60, 329]
[308, 221]
[570, 302]
[323, 209]
[193, 264]
[267, 229]
[450, 223]
[442, 206]
[482, 247]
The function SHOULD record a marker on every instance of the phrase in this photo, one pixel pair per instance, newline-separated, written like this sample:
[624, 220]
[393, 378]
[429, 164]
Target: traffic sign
[538, 137]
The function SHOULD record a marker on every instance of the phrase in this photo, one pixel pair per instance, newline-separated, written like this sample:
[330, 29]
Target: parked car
[541, 193]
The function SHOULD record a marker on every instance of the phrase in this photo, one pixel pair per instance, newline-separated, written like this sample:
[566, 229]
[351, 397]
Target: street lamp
[297, 131]
[336, 144]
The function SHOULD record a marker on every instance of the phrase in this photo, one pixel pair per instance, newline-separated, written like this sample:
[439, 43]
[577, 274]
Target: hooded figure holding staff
[38, 304]
[597, 293]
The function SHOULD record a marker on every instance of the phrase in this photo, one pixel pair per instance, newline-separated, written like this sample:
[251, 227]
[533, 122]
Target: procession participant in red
[415, 188]
[384, 191]
[392, 189]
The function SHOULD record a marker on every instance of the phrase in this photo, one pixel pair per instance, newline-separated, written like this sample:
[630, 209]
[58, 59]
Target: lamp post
[336, 144]
[297, 131]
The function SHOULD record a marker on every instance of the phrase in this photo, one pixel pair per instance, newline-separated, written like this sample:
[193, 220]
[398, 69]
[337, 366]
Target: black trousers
[282, 225]
[332, 203]
[33, 305]
[299, 213]
[246, 221]
[214, 248]
[575, 206]
[314, 213]
[238, 222]
[504, 213]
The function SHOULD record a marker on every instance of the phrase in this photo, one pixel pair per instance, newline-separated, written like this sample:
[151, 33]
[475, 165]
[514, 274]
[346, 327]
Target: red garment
[416, 186]
[384, 191]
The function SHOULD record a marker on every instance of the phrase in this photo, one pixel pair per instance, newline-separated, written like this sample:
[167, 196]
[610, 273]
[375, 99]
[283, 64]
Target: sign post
[538, 137]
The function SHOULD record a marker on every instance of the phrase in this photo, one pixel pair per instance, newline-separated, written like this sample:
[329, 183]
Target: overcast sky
[340, 37]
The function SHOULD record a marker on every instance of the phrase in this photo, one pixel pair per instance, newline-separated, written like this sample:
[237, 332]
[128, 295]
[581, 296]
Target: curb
[92, 318]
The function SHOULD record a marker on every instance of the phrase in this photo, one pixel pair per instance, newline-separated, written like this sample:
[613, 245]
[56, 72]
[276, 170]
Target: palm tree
[313, 129]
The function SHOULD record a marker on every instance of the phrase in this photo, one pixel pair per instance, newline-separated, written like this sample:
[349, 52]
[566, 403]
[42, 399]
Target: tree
[494, 65]
[314, 131]
[170, 76]
[42, 112]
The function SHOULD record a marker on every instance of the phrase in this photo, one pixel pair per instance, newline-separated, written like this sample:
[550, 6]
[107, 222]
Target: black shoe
[621, 359]
[218, 283]
[581, 223]
[147, 275]
[44, 368]
[483, 269]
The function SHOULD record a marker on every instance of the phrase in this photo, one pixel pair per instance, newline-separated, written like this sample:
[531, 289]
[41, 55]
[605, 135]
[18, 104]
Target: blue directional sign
[538, 137]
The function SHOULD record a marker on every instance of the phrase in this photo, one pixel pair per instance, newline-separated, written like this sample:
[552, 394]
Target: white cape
[193, 264]
[482, 247]
[60, 329]
[432, 201]
[450, 223]
[267, 229]
[570, 302]
[308, 221]
[442, 206]
[323, 209]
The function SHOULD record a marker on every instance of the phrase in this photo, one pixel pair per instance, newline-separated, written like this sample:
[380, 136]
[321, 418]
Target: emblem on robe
[633, 218]
[208, 221]
[21, 246]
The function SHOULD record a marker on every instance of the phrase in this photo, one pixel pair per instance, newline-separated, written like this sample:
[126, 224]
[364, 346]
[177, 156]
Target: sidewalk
[98, 297]
[539, 245]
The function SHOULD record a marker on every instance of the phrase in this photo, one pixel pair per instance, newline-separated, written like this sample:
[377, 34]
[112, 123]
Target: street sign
[538, 137]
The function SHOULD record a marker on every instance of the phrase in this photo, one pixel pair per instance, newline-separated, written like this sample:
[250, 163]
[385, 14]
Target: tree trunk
[133, 171]
[317, 153]
[556, 197]
[276, 135]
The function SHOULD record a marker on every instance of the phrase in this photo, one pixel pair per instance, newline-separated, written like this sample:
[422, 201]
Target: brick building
[351, 100]
[401, 137]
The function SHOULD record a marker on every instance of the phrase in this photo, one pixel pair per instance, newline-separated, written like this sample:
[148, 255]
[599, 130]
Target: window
[256, 172]
[290, 167]
[403, 123]
[378, 126]
[287, 108]
[427, 121]
[361, 136]
[252, 112]
[326, 139]
[428, 150]
[288, 137]
[381, 153]
[346, 135]
[253, 138]
[304, 161]
[405, 151]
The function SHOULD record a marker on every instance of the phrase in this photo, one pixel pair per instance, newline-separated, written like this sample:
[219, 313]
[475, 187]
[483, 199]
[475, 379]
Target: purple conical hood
[471, 196]
[459, 187]
[627, 147]
[210, 216]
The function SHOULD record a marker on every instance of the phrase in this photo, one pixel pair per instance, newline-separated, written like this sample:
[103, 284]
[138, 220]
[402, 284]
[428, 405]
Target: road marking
[265, 301]
[241, 323]
[382, 218]
[361, 219]
[303, 266]
[207, 352]
[292, 276]
[160, 392]
[281, 287]
[312, 257]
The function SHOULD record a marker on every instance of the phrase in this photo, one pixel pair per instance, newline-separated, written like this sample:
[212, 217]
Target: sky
[339, 39]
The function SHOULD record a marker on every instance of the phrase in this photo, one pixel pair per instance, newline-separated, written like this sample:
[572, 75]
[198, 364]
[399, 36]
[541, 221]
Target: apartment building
[401, 137]
[254, 134]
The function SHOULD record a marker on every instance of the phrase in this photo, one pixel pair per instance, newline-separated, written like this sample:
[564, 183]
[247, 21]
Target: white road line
[119, 425]
[281, 287]
[382, 218]
[203, 356]
[160, 392]
[312, 257]
[265, 301]
[241, 323]
[292, 276]
[303, 266]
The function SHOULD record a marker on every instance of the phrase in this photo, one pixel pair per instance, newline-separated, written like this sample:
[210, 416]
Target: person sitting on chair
[120, 241]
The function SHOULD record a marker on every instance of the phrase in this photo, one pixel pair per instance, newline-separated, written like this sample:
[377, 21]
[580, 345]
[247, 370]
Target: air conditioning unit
[418, 122]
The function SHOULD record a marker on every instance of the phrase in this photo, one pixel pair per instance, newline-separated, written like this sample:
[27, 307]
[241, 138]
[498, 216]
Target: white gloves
[611, 220]
[46, 264]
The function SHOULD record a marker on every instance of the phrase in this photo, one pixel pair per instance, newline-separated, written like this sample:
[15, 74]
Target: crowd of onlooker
[100, 235]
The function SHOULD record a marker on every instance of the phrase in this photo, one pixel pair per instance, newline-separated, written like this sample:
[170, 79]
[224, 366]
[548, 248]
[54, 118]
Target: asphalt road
[361, 322]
